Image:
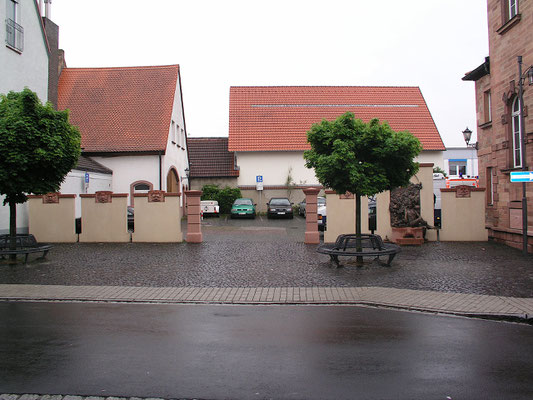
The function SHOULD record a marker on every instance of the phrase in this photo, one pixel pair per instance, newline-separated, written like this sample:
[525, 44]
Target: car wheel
[305, 214]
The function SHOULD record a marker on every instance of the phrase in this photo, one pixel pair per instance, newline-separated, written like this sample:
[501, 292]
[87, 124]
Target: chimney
[52, 34]
[47, 9]
[41, 8]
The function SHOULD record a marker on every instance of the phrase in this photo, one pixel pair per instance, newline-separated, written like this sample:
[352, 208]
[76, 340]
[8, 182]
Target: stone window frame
[510, 12]
[136, 183]
[516, 138]
[487, 107]
[490, 186]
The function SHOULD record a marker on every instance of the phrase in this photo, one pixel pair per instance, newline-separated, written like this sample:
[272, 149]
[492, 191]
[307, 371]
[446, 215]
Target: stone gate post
[194, 223]
[311, 221]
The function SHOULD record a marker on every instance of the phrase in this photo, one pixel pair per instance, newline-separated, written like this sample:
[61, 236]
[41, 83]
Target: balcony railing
[14, 35]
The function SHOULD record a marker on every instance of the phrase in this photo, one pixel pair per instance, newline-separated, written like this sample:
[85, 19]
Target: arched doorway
[173, 181]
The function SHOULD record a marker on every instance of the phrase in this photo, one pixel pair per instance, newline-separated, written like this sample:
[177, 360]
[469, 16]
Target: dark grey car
[279, 207]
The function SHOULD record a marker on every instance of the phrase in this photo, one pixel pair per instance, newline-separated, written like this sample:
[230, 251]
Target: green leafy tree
[349, 155]
[38, 147]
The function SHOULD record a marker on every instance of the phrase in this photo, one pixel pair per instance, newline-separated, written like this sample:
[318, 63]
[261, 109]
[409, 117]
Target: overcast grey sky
[218, 44]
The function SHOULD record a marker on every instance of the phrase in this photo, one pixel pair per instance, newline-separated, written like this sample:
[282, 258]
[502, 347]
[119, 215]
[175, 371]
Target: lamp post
[521, 78]
[467, 135]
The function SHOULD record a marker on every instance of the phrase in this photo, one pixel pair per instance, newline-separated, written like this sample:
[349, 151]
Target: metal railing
[14, 35]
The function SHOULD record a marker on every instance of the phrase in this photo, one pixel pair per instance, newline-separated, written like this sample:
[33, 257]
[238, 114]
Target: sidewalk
[439, 302]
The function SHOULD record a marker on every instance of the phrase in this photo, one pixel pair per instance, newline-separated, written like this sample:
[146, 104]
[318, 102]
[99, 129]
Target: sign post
[524, 177]
[86, 182]
[259, 187]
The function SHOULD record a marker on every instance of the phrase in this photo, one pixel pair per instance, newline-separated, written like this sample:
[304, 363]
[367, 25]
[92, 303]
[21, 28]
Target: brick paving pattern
[447, 303]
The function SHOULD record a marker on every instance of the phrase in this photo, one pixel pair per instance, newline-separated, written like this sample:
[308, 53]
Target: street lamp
[521, 79]
[467, 135]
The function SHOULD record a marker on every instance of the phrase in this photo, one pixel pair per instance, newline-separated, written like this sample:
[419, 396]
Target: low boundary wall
[157, 217]
[104, 217]
[52, 218]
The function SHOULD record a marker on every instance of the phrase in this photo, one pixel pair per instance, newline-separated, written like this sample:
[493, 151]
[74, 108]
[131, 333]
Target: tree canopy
[349, 155]
[38, 146]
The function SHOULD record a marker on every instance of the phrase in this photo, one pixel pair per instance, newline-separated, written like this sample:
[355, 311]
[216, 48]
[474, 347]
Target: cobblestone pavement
[271, 253]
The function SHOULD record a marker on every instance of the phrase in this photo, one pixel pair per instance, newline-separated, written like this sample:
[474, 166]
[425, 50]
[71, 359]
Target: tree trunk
[12, 230]
[358, 244]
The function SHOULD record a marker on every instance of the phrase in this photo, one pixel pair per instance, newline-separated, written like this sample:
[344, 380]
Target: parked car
[243, 208]
[321, 216]
[210, 207]
[279, 207]
[321, 201]
[372, 222]
[131, 216]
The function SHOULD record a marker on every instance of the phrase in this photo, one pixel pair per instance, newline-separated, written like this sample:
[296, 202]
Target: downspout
[160, 171]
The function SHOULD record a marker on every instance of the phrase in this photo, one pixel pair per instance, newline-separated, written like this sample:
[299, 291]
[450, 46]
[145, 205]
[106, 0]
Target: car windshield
[321, 201]
[243, 202]
[280, 202]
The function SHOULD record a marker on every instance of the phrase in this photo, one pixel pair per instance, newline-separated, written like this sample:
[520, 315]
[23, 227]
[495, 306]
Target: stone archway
[139, 187]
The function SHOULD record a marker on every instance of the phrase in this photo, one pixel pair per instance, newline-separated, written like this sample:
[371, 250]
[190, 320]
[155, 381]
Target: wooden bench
[369, 245]
[24, 244]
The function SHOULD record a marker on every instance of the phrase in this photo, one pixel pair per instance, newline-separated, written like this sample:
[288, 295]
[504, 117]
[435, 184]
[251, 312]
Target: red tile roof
[278, 118]
[120, 109]
[209, 157]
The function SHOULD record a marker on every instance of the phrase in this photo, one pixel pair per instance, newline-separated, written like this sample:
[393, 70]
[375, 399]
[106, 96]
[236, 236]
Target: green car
[243, 208]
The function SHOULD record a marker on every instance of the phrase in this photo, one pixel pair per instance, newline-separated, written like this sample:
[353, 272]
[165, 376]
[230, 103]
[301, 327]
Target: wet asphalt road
[261, 253]
[244, 352]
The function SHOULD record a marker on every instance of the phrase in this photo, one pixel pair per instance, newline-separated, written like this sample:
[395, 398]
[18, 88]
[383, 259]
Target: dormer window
[14, 32]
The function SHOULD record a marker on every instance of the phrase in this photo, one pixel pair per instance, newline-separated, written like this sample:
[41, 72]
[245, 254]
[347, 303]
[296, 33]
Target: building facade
[132, 122]
[461, 161]
[500, 128]
[268, 130]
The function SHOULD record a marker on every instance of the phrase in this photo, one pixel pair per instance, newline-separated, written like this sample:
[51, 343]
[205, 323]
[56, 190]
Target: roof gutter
[160, 171]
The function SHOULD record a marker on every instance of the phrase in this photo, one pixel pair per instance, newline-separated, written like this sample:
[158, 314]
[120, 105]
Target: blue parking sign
[86, 177]
[259, 178]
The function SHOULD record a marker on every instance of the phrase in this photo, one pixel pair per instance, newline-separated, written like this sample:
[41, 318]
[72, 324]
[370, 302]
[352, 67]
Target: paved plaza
[266, 262]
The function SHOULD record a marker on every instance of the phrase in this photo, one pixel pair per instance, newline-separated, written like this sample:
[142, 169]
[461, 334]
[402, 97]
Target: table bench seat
[349, 245]
[24, 244]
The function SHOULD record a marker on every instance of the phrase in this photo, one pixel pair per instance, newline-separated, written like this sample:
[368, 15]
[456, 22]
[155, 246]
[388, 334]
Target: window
[14, 32]
[173, 132]
[490, 186]
[510, 15]
[517, 139]
[487, 110]
[513, 8]
[457, 167]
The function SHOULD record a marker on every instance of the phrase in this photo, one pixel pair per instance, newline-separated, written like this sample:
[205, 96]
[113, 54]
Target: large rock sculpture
[405, 207]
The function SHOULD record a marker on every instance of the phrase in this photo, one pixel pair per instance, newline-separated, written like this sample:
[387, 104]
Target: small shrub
[225, 196]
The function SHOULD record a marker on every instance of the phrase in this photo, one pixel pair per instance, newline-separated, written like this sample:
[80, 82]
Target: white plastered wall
[274, 166]
[75, 184]
[129, 169]
[176, 153]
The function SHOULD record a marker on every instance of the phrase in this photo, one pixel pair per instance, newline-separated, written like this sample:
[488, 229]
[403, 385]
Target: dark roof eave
[479, 72]
[119, 153]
